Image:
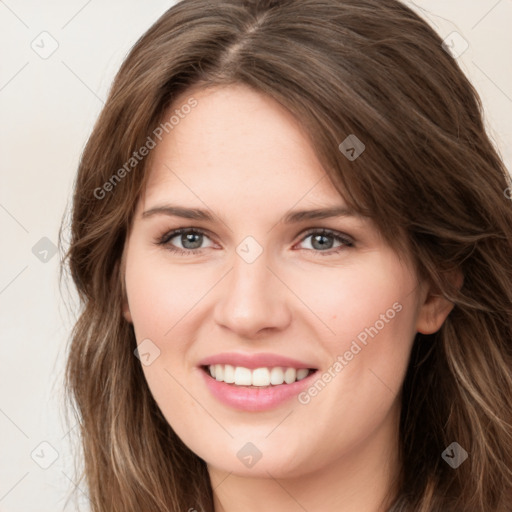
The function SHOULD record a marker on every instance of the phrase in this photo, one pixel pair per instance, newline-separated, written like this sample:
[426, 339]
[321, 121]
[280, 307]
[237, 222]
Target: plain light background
[48, 105]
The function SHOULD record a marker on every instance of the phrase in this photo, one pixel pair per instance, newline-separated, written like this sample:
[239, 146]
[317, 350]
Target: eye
[190, 240]
[322, 241]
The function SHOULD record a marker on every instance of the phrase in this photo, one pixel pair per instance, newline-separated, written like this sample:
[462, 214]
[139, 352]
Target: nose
[252, 299]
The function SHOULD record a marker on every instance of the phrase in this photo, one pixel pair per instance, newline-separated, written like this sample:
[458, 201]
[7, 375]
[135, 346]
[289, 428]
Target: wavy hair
[430, 178]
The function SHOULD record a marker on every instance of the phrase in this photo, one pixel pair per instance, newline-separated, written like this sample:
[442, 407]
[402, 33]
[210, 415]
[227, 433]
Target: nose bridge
[252, 297]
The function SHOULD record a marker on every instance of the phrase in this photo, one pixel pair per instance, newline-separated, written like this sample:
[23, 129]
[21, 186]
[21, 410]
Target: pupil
[189, 237]
[324, 245]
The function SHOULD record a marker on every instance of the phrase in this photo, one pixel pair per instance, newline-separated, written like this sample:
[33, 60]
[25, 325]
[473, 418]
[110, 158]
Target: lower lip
[254, 398]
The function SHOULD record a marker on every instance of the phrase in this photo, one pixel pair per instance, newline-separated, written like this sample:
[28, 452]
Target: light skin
[246, 160]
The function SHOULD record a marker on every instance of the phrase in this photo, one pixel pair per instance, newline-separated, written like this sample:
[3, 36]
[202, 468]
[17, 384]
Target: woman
[337, 335]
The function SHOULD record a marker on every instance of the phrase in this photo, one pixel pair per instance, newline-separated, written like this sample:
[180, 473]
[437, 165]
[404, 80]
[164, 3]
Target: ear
[435, 307]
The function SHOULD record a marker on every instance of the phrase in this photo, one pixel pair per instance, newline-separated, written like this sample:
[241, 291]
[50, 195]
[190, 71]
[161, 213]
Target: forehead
[235, 142]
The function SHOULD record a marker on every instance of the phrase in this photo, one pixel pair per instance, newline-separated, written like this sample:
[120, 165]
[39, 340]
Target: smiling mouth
[265, 377]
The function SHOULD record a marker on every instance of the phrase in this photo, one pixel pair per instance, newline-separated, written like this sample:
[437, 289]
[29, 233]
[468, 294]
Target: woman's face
[254, 285]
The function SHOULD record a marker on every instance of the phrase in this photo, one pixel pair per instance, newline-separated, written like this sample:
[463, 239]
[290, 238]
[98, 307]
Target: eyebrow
[290, 218]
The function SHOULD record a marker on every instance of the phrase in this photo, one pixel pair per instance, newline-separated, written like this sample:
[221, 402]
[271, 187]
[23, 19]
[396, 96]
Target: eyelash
[340, 237]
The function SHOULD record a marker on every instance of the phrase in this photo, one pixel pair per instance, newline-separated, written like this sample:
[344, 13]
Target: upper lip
[252, 361]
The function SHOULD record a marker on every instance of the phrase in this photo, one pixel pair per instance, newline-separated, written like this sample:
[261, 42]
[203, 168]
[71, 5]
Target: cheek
[356, 296]
[161, 296]
[370, 313]
[161, 300]
[164, 302]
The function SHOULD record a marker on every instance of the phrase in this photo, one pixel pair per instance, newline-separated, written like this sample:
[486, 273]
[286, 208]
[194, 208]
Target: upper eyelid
[172, 233]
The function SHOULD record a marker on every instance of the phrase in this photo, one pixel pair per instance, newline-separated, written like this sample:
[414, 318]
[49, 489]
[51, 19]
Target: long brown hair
[429, 177]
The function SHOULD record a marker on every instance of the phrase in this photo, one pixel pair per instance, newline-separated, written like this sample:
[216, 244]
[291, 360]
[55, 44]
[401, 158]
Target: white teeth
[260, 377]
[243, 376]
[219, 371]
[229, 374]
[276, 376]
[302, 373]
[290, 375]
